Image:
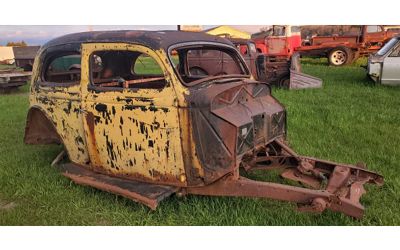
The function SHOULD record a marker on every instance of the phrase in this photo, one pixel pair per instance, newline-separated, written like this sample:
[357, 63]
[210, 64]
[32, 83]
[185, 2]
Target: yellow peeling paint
[137, 133]
[141, 134]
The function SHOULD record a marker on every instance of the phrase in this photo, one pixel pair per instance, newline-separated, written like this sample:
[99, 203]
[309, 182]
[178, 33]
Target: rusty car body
[284, 72]
[341, 50]
[146, 134]
[285, 40]
[280, 72]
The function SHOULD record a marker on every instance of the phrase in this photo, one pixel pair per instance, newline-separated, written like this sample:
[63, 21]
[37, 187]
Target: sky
[40, 34]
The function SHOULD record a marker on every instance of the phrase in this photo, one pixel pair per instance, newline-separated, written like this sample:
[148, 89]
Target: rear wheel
[340, 56]
[284, 82]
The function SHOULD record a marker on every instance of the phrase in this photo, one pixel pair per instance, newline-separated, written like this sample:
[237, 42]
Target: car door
[131, 116]
[374, 34]
[57, 88]
[391, 67]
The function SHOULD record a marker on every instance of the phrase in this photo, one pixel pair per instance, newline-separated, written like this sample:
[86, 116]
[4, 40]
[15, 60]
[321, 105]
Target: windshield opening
[197, 63]
[279, 30]
[387, 46]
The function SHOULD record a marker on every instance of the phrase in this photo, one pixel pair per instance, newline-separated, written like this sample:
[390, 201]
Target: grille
[245, 138]
[277, 125]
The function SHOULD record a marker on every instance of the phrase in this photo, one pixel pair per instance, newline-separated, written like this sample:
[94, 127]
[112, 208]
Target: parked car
[135, 120]
[384, 66]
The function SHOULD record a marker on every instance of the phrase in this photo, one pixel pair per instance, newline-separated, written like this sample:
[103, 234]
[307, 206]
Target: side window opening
[146, 65]
[373, 28]
[125, 69]
[295, 29]
[194, 63]
[64, 67]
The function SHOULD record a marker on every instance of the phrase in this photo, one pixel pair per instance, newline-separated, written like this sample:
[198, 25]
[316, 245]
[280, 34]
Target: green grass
[348, 120]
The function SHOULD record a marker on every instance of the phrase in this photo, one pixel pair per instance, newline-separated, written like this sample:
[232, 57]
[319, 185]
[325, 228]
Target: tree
[22, 43]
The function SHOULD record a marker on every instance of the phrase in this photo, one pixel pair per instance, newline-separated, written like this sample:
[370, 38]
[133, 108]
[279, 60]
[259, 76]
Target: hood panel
[231, 119]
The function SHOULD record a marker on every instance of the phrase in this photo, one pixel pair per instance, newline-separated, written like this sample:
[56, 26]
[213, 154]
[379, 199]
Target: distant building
[25, 56]
[6, 55]
[228, 31]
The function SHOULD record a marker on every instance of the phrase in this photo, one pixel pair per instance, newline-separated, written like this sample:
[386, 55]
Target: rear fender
[40, 129]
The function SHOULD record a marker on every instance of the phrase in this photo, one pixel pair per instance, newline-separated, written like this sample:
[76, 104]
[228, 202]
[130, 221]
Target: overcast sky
[40, 34]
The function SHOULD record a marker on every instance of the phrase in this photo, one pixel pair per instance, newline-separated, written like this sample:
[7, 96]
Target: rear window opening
[194, 63]
[125, 70]
[63, 68]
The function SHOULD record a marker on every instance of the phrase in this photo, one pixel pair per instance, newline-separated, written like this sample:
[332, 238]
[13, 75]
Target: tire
[284, 82]
[340, 56]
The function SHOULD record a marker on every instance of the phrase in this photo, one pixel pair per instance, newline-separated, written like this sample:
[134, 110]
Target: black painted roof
[152, 39]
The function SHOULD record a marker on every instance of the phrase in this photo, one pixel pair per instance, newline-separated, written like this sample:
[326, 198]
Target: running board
[145, 193]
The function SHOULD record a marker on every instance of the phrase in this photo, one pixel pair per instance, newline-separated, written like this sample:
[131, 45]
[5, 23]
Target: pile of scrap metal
[13, 79]
[146, 135]
[283, 72]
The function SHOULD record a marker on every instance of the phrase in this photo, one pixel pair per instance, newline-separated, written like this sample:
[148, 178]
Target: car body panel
[134, 127]
[384, 66]
[186, 134]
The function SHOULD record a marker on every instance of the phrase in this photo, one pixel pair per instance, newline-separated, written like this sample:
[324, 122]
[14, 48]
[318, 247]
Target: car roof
[152, 39]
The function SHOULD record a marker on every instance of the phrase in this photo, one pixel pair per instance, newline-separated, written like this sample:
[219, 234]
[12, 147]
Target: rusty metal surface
[193, 136]
[148, 194]
[364, 43]
[272, 70]
[334, 186]
[224, 119]
[299, 80]
[302, 81]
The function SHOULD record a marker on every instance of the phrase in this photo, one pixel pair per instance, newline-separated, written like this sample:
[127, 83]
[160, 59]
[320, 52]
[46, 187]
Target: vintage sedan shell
[135, 120]
[144, 133]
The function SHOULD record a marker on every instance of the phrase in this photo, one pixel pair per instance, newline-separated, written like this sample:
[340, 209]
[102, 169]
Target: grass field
[348, 120]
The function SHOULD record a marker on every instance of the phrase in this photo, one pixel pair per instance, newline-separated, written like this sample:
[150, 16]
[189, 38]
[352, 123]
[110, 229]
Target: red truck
[283, 41]
[279, 41]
